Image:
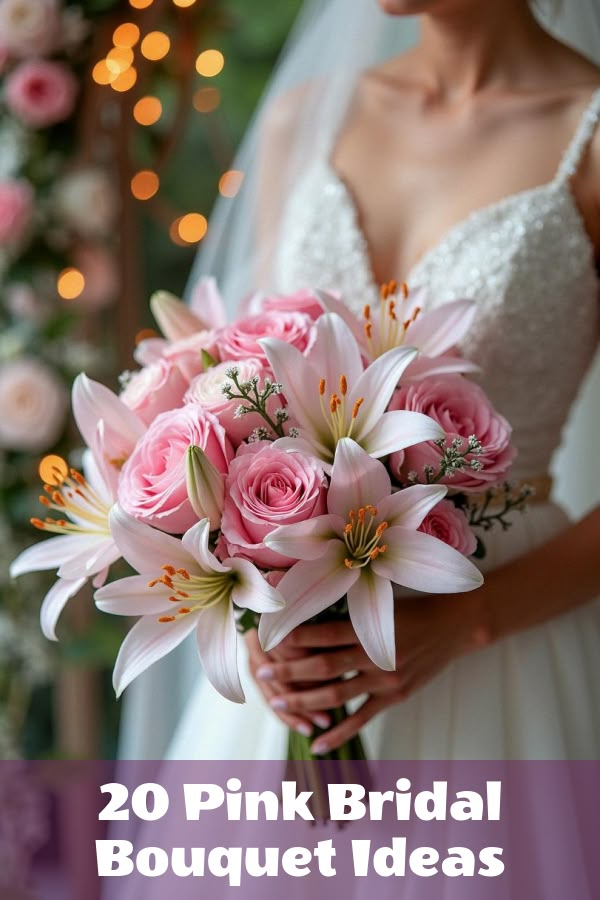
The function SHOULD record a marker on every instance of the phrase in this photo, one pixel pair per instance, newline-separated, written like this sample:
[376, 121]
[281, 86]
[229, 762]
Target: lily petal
[92, 402]
[92, 560]
[407, 508]
[145, 548]
[217, 646]
[147, 642]
[300, 381]
[308, 588]
[207, 304]
[376, 386]
[306, 540]
[399, 429]
[332, 304]
[51, 554]
[299, 445]
[55, 601]
[424, 366]
[132, 597]
[195, 541]
[253, 591]
[335, 352]
[424, 563]
[174, 318]
[371, 608]
[437, 331]
[356, 480]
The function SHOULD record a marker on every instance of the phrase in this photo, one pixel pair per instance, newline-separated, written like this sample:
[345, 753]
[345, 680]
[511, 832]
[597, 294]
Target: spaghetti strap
[585, 132]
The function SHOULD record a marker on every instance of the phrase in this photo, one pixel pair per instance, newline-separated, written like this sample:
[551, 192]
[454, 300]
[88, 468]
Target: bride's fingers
[318, 667]
[327, 634]
[350, 727]
[328, 696]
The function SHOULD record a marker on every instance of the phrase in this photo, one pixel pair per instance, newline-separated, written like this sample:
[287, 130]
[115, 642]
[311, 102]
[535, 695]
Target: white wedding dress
[529, 264]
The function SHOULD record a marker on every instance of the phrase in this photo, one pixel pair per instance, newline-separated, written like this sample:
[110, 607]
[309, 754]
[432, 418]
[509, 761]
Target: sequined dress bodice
[526, 260]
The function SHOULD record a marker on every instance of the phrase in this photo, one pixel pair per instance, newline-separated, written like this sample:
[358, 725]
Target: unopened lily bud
[173, 317]
[205, 487]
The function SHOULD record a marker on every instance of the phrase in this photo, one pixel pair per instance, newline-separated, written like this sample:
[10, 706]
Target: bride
[468, 164]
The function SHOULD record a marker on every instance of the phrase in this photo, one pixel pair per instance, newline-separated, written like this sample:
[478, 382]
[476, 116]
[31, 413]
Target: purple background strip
[548, 829]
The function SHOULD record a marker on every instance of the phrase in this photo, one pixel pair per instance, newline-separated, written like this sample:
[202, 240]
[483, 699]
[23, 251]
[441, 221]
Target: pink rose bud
[266, 488]
[450, 525]
[462, 409]
[41, 93]
[153, 486]
[155, 389]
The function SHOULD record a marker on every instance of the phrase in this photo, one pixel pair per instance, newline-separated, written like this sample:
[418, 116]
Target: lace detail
[526, 259]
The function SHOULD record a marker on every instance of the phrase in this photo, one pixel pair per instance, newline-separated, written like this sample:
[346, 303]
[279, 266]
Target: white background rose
[33, 406]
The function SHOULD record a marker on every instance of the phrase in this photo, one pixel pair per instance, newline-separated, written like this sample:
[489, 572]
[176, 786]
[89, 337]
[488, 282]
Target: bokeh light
[210, 63]
[207, 99]
[145, 184]
[155, 45]
[53, 469]
[183, 3]
[230, 183]
[141, 4]
[126, 35]
[70, 284]
[192, 227]
[119, 59]
[145, 335]
[125, 81]
[147, 111]
[102, 74]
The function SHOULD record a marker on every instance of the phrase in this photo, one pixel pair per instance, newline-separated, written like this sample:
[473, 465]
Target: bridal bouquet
[291, 466]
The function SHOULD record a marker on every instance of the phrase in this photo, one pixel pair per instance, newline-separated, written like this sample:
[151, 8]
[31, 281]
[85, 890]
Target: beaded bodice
[526, 260]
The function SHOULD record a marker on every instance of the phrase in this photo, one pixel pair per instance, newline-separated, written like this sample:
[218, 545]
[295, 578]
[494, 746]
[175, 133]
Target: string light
[210, 63]
[53, 469]
[125, 81]
[126, 35]
[206, 99]
[102, 74]
[183, 3]
[70, 284]
[147, 111]
[155, 45]
[119, 59]
[145, 184]
[192, 227]
[141, 4]
[230, 183]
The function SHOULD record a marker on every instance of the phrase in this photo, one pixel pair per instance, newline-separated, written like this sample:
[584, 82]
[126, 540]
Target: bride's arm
[431, 630]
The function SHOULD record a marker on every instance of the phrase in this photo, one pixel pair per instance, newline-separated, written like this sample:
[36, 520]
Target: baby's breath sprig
[455, 458]
[254, 398]
[503, 500]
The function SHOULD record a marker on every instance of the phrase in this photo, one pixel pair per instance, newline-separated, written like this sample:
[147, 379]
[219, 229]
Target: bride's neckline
[556, 185]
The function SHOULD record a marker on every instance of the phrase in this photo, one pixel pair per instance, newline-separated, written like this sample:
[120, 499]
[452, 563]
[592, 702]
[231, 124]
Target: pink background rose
[41, 93]
[267, 487]
[155, 389]
[240, 339]
[206, 389]
[152, 486]
[98, 267]
[16, 208]
[33, 406]
[462, 408]
[450, 525]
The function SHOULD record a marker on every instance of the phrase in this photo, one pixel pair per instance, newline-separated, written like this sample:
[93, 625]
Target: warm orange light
[126, 35]
[145, 334]
[210, 63]
[70, 284]
[183, 3]
[174, 233]
[102, 74]
[119, 60]
[125, 81]
[206, 99]
[145, 184]
[230, 183]
[141, 4]
[147, 111]
[53, 469]
[192, 228]
[155, 45]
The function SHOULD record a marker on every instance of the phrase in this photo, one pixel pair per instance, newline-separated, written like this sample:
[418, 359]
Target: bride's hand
[333, 668]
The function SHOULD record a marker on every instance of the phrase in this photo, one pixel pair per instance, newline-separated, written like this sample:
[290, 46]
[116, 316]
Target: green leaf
[208, 360]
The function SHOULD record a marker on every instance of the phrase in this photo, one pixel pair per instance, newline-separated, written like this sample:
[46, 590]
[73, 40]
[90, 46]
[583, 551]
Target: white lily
[178, 320]
[331, 395]
[367, 541]
[190, 591]
[399, 321]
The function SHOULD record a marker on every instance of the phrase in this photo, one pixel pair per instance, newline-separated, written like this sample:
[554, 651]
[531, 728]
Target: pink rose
[450, 525]
[462, 409]
[41, 93]
[16, 208]
[267, 487]
[240, 339]
[303, 301]
[155, 389]
[30, 27]
[98, 267]
[185, 353]
[207, 390]
[152, 486]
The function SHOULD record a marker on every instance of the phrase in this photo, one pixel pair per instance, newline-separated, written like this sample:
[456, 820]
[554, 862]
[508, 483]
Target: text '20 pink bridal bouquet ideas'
[292, 466]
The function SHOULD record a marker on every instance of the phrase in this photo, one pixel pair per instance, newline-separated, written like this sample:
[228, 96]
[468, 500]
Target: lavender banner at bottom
[409, 830]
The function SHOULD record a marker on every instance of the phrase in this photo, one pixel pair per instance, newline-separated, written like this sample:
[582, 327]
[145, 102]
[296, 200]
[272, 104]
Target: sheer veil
[332, 42]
